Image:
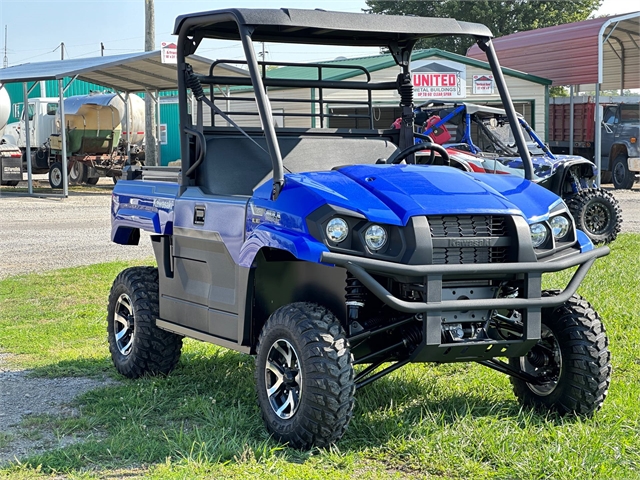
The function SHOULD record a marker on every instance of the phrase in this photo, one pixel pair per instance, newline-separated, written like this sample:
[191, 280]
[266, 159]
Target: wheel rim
[56, 176]
[619, 173]
[597, 218]
[74, 173]
[283, 379]
[123, 326]
[544, 360]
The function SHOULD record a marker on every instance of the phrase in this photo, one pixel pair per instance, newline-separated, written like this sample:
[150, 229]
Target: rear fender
[301, 246]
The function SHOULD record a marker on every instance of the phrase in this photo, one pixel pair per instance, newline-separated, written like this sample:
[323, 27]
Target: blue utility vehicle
[485, 132]
[328, 253]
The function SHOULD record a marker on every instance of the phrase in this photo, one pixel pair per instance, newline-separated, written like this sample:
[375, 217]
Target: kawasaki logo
[470, 242]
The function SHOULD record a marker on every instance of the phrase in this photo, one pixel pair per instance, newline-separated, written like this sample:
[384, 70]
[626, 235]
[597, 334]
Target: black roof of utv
[289, 25]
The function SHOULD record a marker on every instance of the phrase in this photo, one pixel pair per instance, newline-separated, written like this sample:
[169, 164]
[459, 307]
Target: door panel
[208, 231]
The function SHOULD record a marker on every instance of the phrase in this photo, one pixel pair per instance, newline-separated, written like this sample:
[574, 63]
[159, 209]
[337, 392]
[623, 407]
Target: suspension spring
[355, 297]
[405, 89]
[411, 335]
[193, 83]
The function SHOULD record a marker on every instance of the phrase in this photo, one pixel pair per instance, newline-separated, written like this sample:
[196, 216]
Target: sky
[35, 28]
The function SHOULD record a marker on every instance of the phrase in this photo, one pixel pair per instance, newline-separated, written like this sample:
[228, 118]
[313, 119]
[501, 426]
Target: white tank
[136, 111]
[5, 108]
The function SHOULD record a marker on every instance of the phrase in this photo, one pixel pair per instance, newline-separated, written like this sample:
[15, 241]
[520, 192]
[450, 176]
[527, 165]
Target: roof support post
[158, 136]
[571, 108]
[125, 100]
[598, 139]
[63, 133]
[486, 46]
[264, 107]
[27, 136]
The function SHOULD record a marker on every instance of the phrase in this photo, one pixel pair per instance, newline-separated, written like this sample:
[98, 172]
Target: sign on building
[483, 84]
[438, 79]
[169, 52]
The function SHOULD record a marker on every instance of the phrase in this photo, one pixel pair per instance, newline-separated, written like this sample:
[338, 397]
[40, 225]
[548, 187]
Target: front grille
[465, 226]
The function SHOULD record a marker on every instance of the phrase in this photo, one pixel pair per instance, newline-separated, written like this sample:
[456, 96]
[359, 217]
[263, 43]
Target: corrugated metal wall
[170, 115]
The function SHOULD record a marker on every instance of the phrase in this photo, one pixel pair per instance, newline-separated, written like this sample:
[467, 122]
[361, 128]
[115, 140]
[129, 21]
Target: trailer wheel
[572, 357]
[304, 376]
[137, 346]
[621, 176]
[92, 180]
[78, 173]
[597, 213]
[55, 175]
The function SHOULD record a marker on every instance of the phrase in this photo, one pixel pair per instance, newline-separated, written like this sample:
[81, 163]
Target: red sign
[435, 79]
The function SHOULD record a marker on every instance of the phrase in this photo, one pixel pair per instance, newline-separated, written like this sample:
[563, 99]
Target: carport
[125, 74]
[597, 54]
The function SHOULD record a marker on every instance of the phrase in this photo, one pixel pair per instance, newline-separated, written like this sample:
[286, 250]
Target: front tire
[622, 177]
[597, 213]
[137, 346]
[572, 356]
[55, 175]
[304, 376]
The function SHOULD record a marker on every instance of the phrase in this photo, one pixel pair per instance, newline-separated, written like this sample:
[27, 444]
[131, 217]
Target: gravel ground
[38, 234]
[35, 399]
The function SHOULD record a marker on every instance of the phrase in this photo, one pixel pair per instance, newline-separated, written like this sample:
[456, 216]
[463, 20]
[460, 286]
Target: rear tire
[573, 356]
[621, 176]
[137, 346]
[55, 175]
[304, 376]
[597, 213]
[77, 173]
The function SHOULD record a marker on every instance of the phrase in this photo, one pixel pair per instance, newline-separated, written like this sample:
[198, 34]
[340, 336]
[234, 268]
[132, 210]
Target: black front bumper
[531, 303]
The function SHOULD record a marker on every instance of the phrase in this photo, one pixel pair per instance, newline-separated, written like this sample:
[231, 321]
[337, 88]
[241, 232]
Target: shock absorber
[193, 83]
[355, 297]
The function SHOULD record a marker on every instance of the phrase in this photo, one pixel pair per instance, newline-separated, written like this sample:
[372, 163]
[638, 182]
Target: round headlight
[559, 226]
[375, 237]
[337, 230]
[538, 234]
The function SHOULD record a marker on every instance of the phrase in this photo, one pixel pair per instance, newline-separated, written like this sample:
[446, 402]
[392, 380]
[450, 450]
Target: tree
[502, 17]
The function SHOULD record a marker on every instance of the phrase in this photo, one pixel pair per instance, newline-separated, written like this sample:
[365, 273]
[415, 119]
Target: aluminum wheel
[544, 360]
[283, 379]
[123, 324]
[597, 218]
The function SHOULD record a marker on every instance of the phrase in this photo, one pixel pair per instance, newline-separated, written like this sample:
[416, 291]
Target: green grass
[424, 421]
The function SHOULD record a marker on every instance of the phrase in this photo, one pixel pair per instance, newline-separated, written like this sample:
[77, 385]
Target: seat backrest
[236, 165]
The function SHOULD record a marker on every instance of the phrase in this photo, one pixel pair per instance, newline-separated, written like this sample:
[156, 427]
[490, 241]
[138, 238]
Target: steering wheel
[434, 147]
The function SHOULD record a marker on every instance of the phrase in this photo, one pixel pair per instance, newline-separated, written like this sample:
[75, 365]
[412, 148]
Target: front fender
[301, 246]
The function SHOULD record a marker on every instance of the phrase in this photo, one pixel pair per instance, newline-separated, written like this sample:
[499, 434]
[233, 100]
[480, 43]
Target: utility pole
[61, 50]
[101, 49]
[5, 61]
[151, 155]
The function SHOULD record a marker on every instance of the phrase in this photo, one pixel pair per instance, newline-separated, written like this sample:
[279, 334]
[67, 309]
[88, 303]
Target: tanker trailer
[10, 155]
[95, 144]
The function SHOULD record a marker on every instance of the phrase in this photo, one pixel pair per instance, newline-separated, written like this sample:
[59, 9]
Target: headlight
[375, 237]
[559, 226]
[538, 234]
[337, 230]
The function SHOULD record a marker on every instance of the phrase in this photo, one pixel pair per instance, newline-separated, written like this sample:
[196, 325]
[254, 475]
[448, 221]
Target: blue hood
[393, 193]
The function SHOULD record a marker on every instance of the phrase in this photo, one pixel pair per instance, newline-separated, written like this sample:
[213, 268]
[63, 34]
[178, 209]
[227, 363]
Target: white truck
[10, 154]
[96, 142]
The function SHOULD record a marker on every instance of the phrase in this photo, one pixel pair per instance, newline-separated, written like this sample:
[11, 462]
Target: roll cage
[396, 33]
